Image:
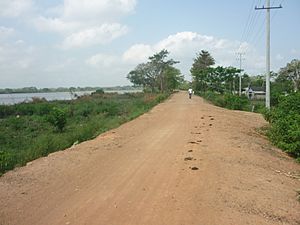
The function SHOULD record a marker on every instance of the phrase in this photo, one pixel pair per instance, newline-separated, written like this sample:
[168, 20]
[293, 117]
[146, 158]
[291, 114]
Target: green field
[32, 130]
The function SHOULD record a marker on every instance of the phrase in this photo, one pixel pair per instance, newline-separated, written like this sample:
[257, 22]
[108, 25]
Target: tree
[156, 74]
[222, 79]
[231, 78]
[160, 66]
[201, 69]
[203, 60]
[292, 72]
[173, 78]
[245, 80]
[257, 81]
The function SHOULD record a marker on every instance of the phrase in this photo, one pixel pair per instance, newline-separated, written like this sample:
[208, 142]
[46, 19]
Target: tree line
[219, 85]
[159, 74]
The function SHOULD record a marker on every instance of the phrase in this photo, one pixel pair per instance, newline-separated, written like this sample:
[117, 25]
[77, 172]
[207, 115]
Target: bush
[58, 118]
[6, 110]
[228, 101]
[6, 161]
[27, 129]
[285, 124]
[236, 102]
[98, 92]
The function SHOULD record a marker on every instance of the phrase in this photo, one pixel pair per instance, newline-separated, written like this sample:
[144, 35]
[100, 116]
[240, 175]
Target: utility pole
[240, 54]
[268, 8]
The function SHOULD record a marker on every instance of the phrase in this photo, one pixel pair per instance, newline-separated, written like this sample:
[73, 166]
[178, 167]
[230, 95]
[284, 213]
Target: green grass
[233, 102]
[284, 118]
[32, 130]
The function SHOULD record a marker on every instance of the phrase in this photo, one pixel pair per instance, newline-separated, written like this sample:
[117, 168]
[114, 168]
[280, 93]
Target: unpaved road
[184, 163]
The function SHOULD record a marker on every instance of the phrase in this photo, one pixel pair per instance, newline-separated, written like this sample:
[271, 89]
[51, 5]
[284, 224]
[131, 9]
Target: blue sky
[66, 43]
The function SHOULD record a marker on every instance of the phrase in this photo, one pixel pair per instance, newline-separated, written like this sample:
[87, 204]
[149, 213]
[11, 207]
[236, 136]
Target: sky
[64, 43]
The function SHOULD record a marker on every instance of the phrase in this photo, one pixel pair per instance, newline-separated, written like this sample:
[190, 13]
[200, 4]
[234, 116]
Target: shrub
[6, 110]
[228, 101]
[58, 118]
[236, 102]
[285, 124]
[6, 161]
[99, 91]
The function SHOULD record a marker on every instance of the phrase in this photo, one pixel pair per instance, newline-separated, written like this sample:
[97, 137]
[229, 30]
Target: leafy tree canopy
[291, 72]
[158, 73]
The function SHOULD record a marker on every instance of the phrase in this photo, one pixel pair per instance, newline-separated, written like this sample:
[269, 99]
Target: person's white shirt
[190, 91]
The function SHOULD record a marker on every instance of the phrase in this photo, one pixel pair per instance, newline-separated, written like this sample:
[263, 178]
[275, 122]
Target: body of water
[10, 99]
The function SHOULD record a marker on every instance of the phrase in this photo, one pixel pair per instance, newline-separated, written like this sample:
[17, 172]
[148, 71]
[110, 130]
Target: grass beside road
[234, 102]
[283, 118]
[32, 130]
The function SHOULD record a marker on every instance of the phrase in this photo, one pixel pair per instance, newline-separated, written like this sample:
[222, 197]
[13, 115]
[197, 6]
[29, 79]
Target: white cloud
[86, 23]
[22, 56]
[279, 57]
[55, 25]
[295, 52]
[87, 10]
[15, 8]
[20, 42]
[95, 35]
[137, 53]
[183, 46]
[103, 60]
[6, 32]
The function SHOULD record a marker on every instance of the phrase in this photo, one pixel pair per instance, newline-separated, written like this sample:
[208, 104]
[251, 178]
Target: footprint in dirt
[194, 168]
[193, 142]
[190, 150]
[188, 158]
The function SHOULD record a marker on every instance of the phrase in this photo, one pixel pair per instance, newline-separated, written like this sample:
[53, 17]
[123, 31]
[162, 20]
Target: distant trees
[200, 69]
[291, 72]
[206, 77]
[158, 74]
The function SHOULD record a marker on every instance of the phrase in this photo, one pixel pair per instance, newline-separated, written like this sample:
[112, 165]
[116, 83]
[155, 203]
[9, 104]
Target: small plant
[58, 118]
[98, 92]
[6, 162]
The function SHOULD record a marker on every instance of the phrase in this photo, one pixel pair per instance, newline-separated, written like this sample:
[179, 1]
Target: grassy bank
[284, 121]
[32, 130]
[284, 117]
[234, 102]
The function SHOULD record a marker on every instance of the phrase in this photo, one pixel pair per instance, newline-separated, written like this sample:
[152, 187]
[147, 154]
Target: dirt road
[184, 163]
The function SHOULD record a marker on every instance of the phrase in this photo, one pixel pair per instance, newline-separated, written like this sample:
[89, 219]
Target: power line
[248, 21]
[250, 27]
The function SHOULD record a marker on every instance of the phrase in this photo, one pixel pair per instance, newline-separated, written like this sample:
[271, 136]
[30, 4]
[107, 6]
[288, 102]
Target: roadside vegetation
[32, 130]
[285, 124]
[219, 85]
[35, 129]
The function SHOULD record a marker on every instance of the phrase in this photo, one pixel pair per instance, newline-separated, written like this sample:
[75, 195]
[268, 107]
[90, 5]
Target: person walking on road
[190, 91]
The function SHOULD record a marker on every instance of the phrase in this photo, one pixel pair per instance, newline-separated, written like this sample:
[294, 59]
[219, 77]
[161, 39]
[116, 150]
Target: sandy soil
[184, 163]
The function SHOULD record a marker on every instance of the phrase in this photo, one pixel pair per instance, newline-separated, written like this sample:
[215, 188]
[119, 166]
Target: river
[10, 99]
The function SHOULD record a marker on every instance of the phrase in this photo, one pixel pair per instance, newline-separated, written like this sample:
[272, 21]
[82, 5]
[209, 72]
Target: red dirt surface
[186, 162]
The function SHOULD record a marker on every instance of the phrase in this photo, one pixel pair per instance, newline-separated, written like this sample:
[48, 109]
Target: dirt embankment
[186, 162]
